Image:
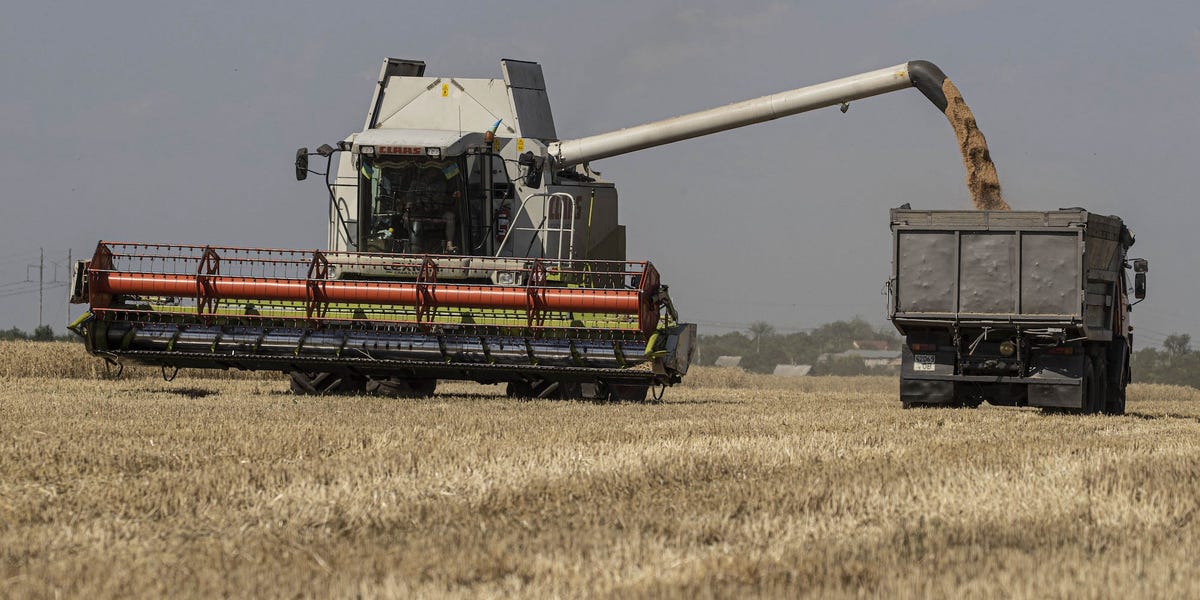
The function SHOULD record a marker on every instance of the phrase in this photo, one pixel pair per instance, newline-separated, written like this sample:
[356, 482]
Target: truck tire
[1094, 384]
[1118, 377]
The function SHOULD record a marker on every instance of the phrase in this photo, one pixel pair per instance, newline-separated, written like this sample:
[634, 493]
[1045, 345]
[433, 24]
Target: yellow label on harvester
[495, 145]
[520, 144]
[445, 90]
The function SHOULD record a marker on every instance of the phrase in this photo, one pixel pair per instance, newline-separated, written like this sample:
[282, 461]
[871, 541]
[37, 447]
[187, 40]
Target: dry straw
[767, 486]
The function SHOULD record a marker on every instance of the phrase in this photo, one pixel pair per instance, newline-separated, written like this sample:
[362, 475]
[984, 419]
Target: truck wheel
[1094, 380]
[324, 384]
[1114, 404]
[1101, 381]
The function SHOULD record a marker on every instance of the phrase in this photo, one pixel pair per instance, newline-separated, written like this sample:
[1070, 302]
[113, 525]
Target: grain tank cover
[531, 105]
[406, 98]
[1047, 267]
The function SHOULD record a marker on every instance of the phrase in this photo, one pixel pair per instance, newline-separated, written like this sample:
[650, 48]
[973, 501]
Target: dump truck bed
[1034, 268]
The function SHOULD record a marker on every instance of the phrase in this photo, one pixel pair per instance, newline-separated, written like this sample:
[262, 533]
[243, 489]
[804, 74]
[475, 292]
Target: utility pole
[41, 280]
[70, 273]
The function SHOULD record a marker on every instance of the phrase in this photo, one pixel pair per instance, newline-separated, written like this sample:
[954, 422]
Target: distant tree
[43, 333]
[760, 329]
[13, 334]
[1176, 363]
[1177, 345]
[762, 347]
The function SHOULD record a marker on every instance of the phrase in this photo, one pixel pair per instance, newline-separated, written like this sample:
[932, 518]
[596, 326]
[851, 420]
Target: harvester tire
[544, 389]
[325, 384]
[519, 389]
[628, 392]
[402, 387]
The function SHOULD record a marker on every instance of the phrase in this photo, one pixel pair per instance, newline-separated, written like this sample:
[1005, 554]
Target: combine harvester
[466, 241]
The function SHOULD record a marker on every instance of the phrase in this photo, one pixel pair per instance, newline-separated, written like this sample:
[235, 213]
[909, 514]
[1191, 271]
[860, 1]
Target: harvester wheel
[628, 392]
[322, 384]
[544, 389]
[402, 387]
[519, 389]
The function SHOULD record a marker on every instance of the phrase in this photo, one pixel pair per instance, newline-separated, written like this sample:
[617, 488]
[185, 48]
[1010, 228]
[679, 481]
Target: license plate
[924, 362]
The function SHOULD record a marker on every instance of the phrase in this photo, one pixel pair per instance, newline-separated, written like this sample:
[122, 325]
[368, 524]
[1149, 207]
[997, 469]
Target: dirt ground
[734, 485]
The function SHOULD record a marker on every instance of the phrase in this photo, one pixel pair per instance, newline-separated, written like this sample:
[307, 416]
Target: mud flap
[1056, 395]
[926, 391]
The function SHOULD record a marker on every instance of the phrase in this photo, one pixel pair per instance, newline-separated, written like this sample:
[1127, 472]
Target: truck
[1015, 308]
[466, 241]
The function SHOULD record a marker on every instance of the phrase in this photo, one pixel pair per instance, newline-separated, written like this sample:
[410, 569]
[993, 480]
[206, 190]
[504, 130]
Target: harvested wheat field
[734, 485]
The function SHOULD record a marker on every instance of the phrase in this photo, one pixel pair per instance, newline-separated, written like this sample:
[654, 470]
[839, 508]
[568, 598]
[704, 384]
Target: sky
[177, 122]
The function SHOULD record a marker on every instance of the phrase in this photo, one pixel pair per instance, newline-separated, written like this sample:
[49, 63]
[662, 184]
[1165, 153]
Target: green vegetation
[42, 333]
[763, 348]
[1176, 363]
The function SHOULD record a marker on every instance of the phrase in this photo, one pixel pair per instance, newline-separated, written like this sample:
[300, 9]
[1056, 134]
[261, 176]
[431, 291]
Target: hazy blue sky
[177, 122]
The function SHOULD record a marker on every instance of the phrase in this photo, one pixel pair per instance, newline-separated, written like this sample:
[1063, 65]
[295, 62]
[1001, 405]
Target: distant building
[871, 358]
[792, 370]
[870, 344]
[728, 361]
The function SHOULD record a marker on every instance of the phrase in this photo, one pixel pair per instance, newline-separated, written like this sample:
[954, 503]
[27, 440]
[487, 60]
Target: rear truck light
[923, 347]
[1007, 348]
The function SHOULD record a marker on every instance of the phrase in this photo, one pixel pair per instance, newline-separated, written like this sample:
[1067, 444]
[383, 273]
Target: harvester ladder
[563, 234]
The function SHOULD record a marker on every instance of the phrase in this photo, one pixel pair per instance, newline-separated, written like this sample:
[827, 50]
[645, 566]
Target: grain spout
[982, 180]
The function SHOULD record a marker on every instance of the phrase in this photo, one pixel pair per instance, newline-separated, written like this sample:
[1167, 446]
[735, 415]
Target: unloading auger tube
[609, 331]
[923, 75]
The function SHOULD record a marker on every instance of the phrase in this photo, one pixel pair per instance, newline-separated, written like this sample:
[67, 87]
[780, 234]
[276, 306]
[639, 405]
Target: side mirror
[301, 164]
[1140, 265]
[533, 169]
[1139, 285]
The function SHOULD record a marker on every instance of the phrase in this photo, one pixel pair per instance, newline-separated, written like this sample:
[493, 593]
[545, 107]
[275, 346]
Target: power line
[32, 290]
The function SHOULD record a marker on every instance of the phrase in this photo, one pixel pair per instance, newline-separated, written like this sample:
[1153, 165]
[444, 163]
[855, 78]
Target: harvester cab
[445, 165]
[466, 241]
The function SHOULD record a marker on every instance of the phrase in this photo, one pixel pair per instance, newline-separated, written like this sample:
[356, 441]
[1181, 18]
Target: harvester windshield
[414, 205]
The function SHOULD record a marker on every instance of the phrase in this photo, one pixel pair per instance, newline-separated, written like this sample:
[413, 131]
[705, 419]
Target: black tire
[519, 389]
[1101, 380]
[402, 387]
[544, 389]
[1118, 371]
[326, 384]
[1093, 386]
[628, 392]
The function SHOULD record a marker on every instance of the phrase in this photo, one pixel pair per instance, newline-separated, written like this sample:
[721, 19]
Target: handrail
[543, 227]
